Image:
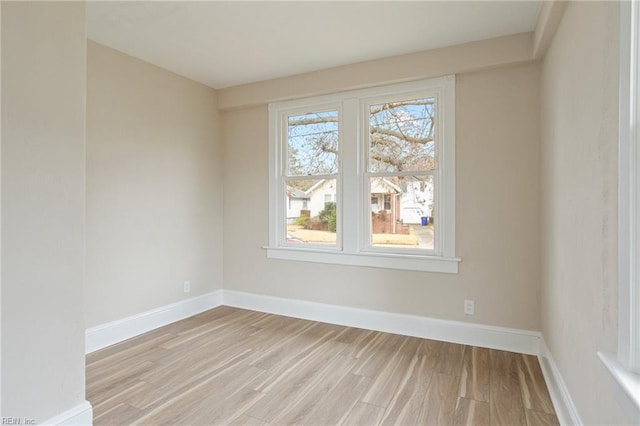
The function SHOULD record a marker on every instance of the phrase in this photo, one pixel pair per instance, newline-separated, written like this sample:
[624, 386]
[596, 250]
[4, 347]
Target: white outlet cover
[469, 307]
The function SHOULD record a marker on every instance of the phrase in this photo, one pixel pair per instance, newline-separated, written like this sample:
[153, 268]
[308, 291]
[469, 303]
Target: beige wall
[497, 215]
[43, 195]
[579, 184]
[154, 187]
[495, 52]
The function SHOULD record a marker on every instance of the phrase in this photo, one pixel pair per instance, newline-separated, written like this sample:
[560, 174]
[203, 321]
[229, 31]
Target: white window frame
[625, 365]
[353, 202]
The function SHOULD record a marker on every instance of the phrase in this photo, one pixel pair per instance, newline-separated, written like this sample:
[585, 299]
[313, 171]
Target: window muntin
[426, 156]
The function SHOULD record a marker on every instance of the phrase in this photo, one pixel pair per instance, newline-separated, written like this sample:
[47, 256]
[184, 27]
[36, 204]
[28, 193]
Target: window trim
[351, 233]
[629, 190]
[624, 366]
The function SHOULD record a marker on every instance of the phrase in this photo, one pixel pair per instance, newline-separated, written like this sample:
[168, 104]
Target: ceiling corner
[548, 21]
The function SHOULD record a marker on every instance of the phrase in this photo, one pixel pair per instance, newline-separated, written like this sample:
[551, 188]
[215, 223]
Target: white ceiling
[224, 44]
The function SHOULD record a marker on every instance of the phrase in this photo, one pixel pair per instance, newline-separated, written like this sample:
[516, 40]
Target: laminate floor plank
[197, 404]
[232, 408]
[235, 366]
[361, 343]
[538, 418]
[391, 374]
[122, 414]
[174, 390]
[308, 398]
[302, 367]
[196, 364]
[121, 352]
[475, 374]
[282, 353]
[470, 412]
[440, 400]
[246, 420]
[406, 404]
[113, 376]
[335, 407]
[124, 394]
[450, 357]
[350, 335]
[295, 387]
[377, 353]
[535, 395]
[363, 414]
[505, 393]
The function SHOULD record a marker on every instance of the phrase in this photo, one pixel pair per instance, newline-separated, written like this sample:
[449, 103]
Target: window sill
[422, 263]
[627, 385]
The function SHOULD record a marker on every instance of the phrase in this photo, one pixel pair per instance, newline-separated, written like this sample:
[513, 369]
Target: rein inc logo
[17, 421]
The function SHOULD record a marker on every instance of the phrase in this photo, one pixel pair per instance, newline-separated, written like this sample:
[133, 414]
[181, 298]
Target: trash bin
[424, 220]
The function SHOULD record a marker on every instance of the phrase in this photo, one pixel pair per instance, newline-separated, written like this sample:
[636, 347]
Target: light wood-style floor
[233, 366]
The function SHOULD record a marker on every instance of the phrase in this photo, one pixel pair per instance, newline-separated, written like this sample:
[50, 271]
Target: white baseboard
[514, 340]
[116, 331]
[565, 409]
[508, 339]
[80, 415]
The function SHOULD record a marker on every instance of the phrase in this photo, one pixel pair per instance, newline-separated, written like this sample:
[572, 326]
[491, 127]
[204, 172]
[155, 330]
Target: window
[629, 190]
[377, 167]
[625, 365]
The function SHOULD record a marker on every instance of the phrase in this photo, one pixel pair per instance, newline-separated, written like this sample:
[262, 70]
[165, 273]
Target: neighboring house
[387, 199]
[406, 206]
[385, 206]
[324, 191]
[417, 202]
[297, 201]
[385, 195]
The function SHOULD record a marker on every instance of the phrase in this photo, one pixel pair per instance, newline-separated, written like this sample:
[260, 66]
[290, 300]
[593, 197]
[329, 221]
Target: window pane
[402, 212]
[312, 211]
[312, 144]
[401, 136]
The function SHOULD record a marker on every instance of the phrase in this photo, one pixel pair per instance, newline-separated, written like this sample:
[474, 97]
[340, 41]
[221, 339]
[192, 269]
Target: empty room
[320, 212]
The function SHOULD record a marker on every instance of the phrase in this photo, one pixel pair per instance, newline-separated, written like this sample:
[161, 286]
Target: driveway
[424, 235]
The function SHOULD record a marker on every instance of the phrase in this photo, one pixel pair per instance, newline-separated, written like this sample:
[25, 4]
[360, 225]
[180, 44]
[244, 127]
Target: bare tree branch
[391, 105]
[401, 136]
[378, 109]
[315, 120]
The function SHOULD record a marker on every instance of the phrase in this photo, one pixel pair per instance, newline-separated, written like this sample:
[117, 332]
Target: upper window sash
[325, 168]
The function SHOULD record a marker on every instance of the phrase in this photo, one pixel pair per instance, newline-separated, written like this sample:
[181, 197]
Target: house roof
[296, 193]
[315, 186]
[392, 186]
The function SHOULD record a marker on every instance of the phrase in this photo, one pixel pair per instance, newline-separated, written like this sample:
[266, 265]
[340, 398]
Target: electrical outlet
[187, 286]
[469, 307]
